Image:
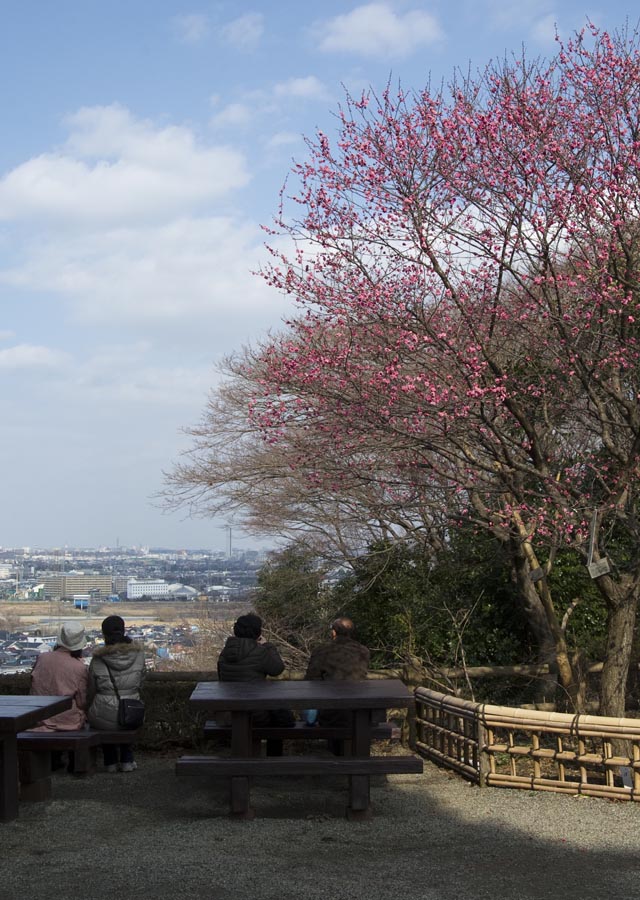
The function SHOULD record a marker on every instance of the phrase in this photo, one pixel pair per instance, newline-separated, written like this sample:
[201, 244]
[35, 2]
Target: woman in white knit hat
[64, 673]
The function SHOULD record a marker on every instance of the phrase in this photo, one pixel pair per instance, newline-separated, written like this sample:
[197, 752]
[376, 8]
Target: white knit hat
[71, 636]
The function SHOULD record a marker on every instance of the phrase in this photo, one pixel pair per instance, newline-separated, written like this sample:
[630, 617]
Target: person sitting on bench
[119, 664]
[246, 656]
[342, 658]
[62, 672]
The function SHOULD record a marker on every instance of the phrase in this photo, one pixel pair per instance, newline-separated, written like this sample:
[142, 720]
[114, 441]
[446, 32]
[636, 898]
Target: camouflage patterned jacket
[342, 659]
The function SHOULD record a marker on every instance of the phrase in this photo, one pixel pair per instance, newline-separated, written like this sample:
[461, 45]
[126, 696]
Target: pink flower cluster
[467, 274]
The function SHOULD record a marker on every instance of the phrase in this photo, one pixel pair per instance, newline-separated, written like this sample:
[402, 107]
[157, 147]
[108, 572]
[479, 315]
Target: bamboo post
[484, 761]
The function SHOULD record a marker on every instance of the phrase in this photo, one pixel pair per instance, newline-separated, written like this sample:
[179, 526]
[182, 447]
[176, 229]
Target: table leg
[359, 785]
[35, 776]
[240, 732]
[241, 745]
[361, 742]
[8, 778]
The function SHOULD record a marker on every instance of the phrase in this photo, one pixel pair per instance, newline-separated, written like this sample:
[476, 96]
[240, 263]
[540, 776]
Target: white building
[182, 592]
[137, 589]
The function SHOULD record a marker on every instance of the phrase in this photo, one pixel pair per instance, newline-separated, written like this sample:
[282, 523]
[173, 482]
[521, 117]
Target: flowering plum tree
[466, 265]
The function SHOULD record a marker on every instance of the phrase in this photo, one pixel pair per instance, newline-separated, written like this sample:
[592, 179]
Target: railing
[530, 749]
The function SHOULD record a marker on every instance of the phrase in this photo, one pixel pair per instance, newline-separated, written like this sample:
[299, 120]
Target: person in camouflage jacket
[340, 659]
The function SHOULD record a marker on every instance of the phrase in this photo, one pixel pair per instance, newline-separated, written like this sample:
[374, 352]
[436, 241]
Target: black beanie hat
[249, 626]
[113, 629]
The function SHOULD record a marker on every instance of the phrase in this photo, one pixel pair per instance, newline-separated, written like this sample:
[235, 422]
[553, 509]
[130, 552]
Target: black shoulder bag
[130, 711]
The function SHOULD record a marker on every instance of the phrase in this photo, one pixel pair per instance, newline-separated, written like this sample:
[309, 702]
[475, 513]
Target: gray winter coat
[126, 663]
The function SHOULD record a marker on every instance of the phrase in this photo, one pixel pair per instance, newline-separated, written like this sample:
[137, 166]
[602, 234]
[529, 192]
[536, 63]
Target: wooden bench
[359, 770]
[384, 731]
[339, 736]
[299, 765]
[35, 749]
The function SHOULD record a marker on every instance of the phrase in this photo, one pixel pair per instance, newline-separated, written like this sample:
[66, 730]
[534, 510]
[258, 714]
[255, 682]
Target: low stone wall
[169, 718]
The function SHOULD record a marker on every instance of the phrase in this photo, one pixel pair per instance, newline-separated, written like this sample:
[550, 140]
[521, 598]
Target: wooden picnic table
[360, 698]
[18, 712]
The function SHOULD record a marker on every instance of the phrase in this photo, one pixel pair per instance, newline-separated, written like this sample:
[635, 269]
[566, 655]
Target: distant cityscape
[164, 644]
[94, 576]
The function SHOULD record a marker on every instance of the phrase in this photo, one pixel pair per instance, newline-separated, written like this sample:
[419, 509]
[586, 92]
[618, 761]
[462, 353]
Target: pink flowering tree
[466, 267]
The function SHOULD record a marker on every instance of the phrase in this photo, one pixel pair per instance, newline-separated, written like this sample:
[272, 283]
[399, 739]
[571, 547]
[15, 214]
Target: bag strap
[113, 681]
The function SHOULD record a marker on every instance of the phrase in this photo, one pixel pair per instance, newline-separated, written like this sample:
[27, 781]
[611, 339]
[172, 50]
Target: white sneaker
[112, 769]
[128, 767]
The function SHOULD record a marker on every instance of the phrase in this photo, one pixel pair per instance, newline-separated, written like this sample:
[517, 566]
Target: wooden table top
[254, 695]
[19, 711]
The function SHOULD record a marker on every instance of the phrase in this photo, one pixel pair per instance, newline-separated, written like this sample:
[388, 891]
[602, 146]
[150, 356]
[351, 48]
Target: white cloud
[127, 228]
[536, 15]
[544, 30]
[126, 375]
[283, 139]
[268, 102]
[233, 115]
[374, 29]
[159, 280]
[308, 88]
[244, 32]
[115, 168]
[6, 335]
[30, 356]
[193, 28]
[505, 14]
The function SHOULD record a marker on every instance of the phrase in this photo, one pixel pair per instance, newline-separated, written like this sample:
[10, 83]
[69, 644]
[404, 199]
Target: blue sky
[144, 144]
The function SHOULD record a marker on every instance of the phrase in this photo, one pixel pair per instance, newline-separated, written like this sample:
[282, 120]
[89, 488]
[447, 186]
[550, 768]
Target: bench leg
[35, 776]
[8, 778]
[359, 785]
[240, 799]
[359, 798]
[84, 760]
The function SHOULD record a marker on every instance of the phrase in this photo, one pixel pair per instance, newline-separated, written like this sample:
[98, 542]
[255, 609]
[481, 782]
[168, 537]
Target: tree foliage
[466, 353]
[293, 602]
[455, 609]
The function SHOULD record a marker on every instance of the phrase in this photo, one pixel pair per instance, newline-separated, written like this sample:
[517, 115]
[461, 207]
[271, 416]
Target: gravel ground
[149, 834]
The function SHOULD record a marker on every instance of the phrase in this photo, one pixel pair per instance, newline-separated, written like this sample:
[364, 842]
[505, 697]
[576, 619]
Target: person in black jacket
[246, 656]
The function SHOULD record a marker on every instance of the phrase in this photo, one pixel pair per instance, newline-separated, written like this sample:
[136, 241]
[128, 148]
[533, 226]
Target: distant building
[120, 583]
[182, 592]
[155, 589]
[56, 586]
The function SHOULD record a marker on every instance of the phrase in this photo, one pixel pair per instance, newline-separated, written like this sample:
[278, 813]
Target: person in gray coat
[122, 659]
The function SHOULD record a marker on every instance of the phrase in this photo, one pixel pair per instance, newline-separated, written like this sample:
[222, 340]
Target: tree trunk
[547, 685]
[541, 615]
[622, 604]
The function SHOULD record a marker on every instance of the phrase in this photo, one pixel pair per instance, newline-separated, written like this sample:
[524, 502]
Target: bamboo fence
[530, 749]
